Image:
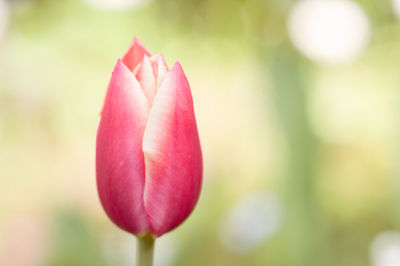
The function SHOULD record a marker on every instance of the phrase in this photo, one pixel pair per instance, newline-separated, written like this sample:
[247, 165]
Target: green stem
[145, 250]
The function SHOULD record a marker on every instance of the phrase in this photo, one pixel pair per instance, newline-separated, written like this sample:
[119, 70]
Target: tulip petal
[160, 69]
[145, 76]
[172, 154]
[134, 54]
[120, 166]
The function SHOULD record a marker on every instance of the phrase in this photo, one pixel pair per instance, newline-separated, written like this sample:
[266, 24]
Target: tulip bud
[148, 156]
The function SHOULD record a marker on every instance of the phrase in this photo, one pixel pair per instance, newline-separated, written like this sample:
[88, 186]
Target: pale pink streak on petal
[173, 158]
[145, 76]
[119, 156]
[160, 69]
[134, 55]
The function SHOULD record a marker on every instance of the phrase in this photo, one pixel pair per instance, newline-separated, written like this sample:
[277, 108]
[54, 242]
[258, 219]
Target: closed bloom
[148, 156]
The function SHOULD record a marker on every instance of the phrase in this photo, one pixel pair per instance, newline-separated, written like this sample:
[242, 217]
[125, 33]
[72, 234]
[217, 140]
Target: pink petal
[135, 54]
[172, 155]
[119, 157]
[145, 76]
[160, 69]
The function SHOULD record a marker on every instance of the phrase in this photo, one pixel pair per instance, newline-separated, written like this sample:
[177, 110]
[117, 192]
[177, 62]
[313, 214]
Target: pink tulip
[148, 156]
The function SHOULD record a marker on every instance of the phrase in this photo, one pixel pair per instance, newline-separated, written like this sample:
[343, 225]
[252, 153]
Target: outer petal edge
[173, 159]
[119, 157]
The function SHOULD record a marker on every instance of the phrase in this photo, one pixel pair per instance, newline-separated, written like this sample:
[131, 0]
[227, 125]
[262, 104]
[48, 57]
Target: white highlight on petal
[4, 17]
[158, 122]
[329, 31]
[145, 76]
[254, 219]
[117, 4]
[151, 73]
[155, 137]
[162, 69]
[385, 249]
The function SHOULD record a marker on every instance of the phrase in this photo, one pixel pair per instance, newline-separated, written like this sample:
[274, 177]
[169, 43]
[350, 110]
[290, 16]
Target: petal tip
[178, 72]
[177, 66]
[136, 41]
[161, 60]
[119, 63]
[134, 55]
[119, 66]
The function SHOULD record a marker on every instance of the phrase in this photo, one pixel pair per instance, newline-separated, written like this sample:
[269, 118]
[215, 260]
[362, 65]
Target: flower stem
[145, 250]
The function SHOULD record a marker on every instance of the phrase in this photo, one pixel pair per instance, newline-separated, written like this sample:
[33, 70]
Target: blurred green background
[298, 109]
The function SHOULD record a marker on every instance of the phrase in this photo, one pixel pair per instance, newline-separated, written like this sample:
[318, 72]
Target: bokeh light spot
[117, 4]
[385, 249]
[329, 31]
[254, 219]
